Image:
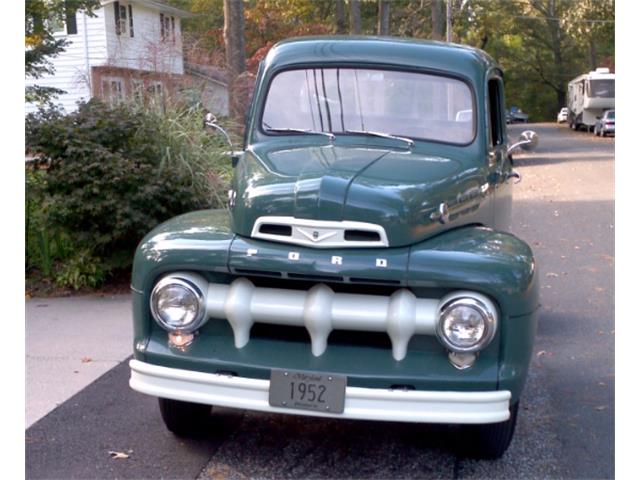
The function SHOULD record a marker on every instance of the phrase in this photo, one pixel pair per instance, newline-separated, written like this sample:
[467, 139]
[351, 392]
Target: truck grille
[321, 310]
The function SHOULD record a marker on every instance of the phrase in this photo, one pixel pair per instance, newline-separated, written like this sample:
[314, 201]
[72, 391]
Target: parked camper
[588, 96]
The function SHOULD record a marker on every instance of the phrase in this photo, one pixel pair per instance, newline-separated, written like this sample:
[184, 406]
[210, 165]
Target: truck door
[499, 162]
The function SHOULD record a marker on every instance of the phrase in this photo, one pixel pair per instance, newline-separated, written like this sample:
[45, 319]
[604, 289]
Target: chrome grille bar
[322, 310]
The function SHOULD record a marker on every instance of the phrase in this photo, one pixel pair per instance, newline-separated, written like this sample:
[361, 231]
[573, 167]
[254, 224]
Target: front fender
[495, 263]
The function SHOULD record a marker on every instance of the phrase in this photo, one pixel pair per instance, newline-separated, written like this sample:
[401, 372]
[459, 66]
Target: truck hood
[401, 191]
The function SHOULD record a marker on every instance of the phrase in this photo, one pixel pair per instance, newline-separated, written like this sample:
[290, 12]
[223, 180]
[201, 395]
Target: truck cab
[363, 268]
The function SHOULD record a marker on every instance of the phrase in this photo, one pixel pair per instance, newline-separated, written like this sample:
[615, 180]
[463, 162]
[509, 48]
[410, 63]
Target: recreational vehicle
[588, 96]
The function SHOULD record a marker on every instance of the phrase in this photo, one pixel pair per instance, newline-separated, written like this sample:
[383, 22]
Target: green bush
[106, 176]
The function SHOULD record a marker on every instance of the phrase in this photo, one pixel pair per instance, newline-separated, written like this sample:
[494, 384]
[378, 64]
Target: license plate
[307, 391]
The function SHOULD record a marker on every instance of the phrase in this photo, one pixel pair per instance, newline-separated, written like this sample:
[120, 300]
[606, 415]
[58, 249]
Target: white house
[129, 49]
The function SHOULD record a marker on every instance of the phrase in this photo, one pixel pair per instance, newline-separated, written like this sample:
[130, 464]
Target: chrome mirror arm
[528, 141]
[220, 129]
[517, 145]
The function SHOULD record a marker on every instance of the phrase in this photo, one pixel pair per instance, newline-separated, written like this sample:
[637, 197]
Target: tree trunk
[383, 17]
[341, 18]
[593, 58]
[234, 45]
[437, 20]
[355, 23]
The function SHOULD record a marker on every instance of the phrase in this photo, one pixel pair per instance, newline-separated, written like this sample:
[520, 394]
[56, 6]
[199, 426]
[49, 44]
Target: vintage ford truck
[362, 269]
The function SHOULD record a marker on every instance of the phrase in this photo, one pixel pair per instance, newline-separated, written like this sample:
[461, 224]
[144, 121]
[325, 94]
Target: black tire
[489, 441]
[185, 419]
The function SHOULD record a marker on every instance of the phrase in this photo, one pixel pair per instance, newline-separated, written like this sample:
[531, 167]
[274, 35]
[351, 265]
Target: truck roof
[446, 57]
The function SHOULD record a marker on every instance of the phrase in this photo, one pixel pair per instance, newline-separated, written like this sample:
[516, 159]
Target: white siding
[99, 45]
[145, 50]
[87, 48]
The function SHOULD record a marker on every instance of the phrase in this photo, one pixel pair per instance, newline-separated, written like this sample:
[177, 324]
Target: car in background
[606, 124]
[515, 115]
[562, 115]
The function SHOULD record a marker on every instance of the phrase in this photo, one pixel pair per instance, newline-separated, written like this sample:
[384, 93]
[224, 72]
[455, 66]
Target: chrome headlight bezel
[190, 286]
[483, 306]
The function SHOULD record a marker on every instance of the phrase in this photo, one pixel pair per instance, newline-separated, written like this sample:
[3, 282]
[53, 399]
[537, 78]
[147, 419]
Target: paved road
[565, 209]
[69, 344]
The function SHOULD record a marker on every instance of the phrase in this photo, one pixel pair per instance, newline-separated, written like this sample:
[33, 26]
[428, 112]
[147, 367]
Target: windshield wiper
[300, 131]
[410, 142]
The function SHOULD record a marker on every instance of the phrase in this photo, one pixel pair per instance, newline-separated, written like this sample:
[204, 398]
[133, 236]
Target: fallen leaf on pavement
[552, 275]
[118, 455]
[601, 407]
[541, 353]
[86, 359]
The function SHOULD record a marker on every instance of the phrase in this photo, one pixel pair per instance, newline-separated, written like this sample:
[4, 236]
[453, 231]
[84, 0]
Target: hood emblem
[314, 235]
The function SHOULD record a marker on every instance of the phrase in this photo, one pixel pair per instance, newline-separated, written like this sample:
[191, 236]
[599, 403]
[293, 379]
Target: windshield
[602, 88]
[340, 100]
[611, 115]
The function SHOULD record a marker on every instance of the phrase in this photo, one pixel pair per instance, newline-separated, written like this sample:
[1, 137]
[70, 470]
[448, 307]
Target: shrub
[109, 175]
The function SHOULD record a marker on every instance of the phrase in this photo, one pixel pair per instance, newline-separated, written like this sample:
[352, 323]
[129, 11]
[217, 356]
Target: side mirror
[210, 121]
[528, 141]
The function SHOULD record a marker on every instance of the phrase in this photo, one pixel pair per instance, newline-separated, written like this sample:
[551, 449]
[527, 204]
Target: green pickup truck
[363, 268]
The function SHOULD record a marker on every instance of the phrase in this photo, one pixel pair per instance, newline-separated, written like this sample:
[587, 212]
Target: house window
[70, 20]
[55, 25]
[155, 92]
[167, 28]
[62, 26]
[137, 89]
[123, 19]
[112, 90]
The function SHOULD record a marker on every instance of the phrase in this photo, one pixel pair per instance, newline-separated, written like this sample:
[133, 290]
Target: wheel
[185, 419]
[490, 440]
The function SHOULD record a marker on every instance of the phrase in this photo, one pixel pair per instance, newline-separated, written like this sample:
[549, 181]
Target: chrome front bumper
[360, 403]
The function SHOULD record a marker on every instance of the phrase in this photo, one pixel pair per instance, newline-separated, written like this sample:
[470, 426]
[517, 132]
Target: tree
[591, 24]
[383, 17]
[234, 46]
[437, 19]
[341, 18]
[355, 21]
[41, 16]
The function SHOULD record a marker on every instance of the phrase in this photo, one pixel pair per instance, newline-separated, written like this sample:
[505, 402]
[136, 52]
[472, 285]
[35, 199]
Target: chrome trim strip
[319, 233]
[360, 403]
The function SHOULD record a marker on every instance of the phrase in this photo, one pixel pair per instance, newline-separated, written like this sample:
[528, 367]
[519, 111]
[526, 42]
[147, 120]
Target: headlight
[177, 304]
[467, 323]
